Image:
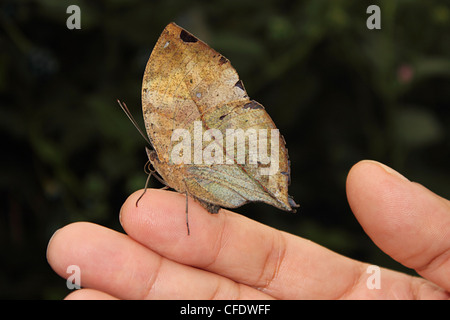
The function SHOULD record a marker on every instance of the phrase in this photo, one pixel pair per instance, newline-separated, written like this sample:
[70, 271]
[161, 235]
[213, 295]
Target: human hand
[228, 256]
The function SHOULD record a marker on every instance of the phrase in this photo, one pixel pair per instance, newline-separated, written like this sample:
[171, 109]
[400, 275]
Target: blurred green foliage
[337, 91]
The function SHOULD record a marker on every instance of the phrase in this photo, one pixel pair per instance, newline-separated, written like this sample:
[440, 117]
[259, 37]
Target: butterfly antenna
[128, 113]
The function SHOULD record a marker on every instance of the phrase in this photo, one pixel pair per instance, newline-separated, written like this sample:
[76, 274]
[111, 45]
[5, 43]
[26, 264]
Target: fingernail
[389, 170]
[120, 216]
[53, 235]
[50, 241]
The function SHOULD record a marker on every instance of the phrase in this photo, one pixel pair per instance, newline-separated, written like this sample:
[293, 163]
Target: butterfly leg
[187, 210]
[145, 188]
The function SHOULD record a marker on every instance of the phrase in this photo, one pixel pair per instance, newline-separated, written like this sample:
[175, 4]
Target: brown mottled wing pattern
[186, 81]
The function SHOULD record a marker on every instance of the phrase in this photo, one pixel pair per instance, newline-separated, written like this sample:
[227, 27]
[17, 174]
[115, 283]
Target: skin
[228, 256]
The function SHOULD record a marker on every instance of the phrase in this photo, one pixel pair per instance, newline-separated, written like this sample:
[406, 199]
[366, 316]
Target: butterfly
[192, 102]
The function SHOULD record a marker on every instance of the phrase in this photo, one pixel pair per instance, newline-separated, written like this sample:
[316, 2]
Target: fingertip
[59, 247]
[371, 168]
[159, 222]
[404, 219]
[157, 213]
[371, 182]
[127, 206]
[366, 164]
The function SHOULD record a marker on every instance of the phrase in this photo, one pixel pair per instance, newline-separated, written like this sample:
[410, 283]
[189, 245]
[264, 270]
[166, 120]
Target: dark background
[338, 92]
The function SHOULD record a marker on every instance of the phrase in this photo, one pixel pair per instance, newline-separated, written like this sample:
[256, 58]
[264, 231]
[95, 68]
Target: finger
[280, 264]
[277, 263]
[115, 264]
[406, 220]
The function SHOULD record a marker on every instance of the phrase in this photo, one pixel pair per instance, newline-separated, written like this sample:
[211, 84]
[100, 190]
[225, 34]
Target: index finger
[278, 263]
